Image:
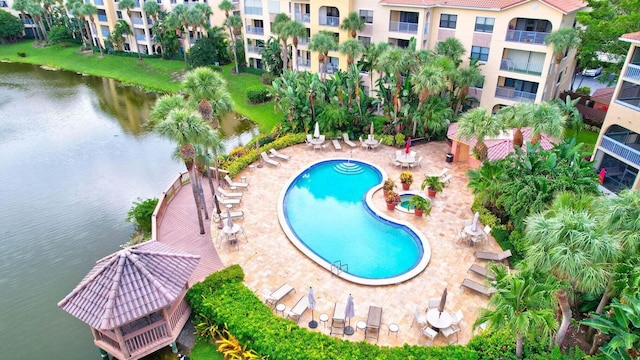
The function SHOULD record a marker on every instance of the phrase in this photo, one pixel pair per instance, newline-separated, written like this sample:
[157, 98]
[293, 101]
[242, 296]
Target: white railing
[303, 17]
[403, 27]
[513, 94]
[521, 66]
[633, 72]
[255, 49]
[304, 63]
[329, 21]
[254, 30]
[625, 152]
[252, 10]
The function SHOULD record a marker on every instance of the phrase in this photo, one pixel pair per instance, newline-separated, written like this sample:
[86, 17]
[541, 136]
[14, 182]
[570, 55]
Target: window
[127, 47]
[480, 53]
[559, 78]
[448, 21]
[484, 24]
[333, 11]
[367, 16]
[365, 40]
[480, 83]
[119, 14]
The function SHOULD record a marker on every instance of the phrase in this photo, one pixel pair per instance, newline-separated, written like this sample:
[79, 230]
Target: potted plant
[392, 200]
[433, 184]
[421, 206]
[388, 185]
[406, 178]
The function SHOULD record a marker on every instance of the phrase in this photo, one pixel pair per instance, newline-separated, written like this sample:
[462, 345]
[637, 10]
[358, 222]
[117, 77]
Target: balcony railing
[633, 72]
[304, 63]
[141, 37]
[303, 41]
[403, 27]
[255, 49]
[252, 10]
[254, 30]
[523, 67]
[623, 151]
[329, 21]
[515, 95]
[102, 18]
[533, 37]
[303, 17]
[98, 2]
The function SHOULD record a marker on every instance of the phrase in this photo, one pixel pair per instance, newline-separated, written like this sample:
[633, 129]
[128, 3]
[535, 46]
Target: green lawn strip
[587, 137]
[203, 349]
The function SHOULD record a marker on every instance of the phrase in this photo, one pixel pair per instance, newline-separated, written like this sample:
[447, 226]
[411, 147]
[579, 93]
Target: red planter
[391, 206]
[431, 193]
[405, 186]
[418, 212]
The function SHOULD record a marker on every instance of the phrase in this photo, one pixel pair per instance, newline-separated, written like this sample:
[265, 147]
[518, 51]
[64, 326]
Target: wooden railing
[141, 340]
[176, 319]
[164, 200]
[107, 339]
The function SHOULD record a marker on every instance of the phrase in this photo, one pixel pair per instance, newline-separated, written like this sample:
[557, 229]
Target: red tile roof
[631, 37]
[603, 96]
[129, 284]
[564, 6]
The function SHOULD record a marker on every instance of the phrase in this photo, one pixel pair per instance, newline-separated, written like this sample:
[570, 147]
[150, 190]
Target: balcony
[510, 93]
[333, 21]
[252, 10]
[303, 17]
[303, 41]
[102, 18]
[254, 30]
[304, 63]
[522, 67]
[255, 49]
[141, 37]
[522, 36]
[98, 2]
[4, 4]
[623, 151]
[403, 27]
[633, 72]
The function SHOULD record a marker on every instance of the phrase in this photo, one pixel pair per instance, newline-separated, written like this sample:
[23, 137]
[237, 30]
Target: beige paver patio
[269, 259]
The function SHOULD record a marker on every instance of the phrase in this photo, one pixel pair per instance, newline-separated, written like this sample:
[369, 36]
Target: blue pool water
[324, 207]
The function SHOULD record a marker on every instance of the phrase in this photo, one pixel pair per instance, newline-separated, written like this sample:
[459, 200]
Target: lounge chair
[268, 160]
[274, 298]
[492, 256]
[421, 319]
[338, 319]
[482, 271]
[229, 201]
[336, 145]
[442, 173]
[345, 137]
[447, 179]
[477, 287]
[298, 309]
[229, 194]
[275, 153]
[374, 318]
[239, 185]
[234, 214]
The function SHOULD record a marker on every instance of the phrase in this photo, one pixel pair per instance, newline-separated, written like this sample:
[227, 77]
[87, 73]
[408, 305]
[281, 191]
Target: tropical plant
[461, 80]
[393, 197]
[127, 5]
[570, 111]
[271, 56]
[562, 41]
[406, 177]
[371, 59]
[227, 6]
[420, 203]
[119, 31]
[428, 80]
[545, 118]
[451, 48]
[295, 30]
[389, 185]
[152, 8]
[322, 43]
[278, 28]
[352, 48]
[434, 183]
[232, 349]
[140, 215]
[515, 116]
[352, 23]
[479, 124]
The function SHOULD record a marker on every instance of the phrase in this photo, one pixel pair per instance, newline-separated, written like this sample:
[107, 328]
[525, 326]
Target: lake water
[74, 154]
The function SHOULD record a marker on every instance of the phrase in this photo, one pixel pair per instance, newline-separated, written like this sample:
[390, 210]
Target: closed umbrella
[316, 131]
[229, 221]
[408, 147]
[349, 313]
[475, 221]
[371, 130]
[312, 305]
[443, 301]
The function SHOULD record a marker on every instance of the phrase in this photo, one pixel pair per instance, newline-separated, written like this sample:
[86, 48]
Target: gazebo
[133, 300]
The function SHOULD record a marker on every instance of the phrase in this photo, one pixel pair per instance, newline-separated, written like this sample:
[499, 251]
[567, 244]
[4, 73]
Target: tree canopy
[10, 27]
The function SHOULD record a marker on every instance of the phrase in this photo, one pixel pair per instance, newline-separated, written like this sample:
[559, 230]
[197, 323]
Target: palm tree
[570, 111]
[395, 63]
[451, 48]
[36, 10]
[435, 117]
[567, 242]
[323, 42]
[462, 80]
[179, 19]
[75, 9]
[428, 80]
[352, 23]
[278, 28]
[201, 12]
[127, 5]
[563, 40]
[228, 6]
[152, 8]
[521, 305]
[515, 117]
[294, 29]
[545, 118]
[352, 48]
[89, 10]
[372, 54]
[204, 85]
[479, 124]
[119, 30]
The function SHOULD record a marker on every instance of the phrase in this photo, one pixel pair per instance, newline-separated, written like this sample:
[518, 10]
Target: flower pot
[418, 212]
[391, 206]
[386, 193]
[431, 193]
[405, 186]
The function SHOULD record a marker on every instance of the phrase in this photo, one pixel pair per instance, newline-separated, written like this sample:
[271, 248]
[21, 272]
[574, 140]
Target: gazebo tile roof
[129, 284]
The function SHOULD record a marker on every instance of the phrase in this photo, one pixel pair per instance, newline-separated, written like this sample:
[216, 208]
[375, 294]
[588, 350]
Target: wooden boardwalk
[178, 228]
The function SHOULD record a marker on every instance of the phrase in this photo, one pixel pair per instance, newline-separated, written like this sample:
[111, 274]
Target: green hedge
[258, 94]
[223, 299]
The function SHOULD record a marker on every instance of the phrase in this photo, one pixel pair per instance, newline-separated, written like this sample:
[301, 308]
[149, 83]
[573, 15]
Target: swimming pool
[325, 212]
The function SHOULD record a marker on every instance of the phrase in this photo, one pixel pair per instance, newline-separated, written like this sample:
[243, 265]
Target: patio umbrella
[312, 305]
[229, 221]
[349, 313]
[215, 200]
[475, 221]
[371, 130]
[407, 149]
[443, 301]
[316, 131]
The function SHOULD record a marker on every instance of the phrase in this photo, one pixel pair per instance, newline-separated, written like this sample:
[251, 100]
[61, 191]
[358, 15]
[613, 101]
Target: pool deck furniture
[433, 304]
[237, 185]
[274, 152]
[492, 256]
[275, 297]
[441, 174]
[338, 320]
[345, 137]
[229, 201]
[298, 309]
[374, 318]
[440, 320]
[482, 271]
[477, 287]
[239, 214]
[429, 333]
[417, 163]
[447, 179]
[229, 194]
[447, 332]
[336, 145]
[421, 319]
[268, 160]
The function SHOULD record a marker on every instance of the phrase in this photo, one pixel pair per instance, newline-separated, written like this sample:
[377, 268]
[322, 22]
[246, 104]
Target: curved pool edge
[413, 272]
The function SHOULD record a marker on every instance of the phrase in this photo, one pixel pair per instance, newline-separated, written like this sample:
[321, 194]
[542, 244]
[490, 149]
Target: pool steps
[348, 168]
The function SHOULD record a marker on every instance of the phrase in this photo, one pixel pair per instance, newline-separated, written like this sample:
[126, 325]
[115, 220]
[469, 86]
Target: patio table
[439, 320]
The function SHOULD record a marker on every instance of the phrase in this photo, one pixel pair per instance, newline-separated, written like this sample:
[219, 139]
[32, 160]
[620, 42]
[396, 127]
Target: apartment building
[617, 155]
[507, 36]
[29, 25]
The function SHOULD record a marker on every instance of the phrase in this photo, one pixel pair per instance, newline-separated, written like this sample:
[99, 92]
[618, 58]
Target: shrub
[258, 94]
[584, 90]
[399, 139]
[140, 215]
[22, 54]
[267, 78]
[58, 34]
[251, 70]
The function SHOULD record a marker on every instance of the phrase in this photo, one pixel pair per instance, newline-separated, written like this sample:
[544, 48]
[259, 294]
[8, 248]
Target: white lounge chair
[239, 214]
[447, 179]
[298, 309]
[229, 201]
[268, 160]
[278, 294]
[229, 194]
[345, 137]
[275, 153]
[239, 185]
[336, 145]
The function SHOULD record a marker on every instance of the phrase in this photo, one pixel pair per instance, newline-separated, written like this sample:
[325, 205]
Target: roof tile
[564, 6]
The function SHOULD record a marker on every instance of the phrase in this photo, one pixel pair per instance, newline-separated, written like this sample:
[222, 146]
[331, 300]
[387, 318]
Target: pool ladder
[337, 267]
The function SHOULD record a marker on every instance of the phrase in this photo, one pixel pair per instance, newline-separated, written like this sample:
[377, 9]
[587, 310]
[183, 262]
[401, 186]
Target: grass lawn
[588, 138]
[205, 350]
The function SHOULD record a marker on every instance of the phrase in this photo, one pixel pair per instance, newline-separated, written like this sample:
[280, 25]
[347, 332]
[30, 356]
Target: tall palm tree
[545, 118]
[352, 23]
[428, 80]
[451, 48]
[352, 48]
[37, 11]
[515, 117]
[563, 40]
[179, 19]
[395, 63]
[127, 5]
[117, 36]
[522, 305]
[202, 14]
[74, 7]
[462, 80]
[566, 242]
[479, 124]
[372, 55]
[205, 85]
[294, 29]
[89, 10]
[279, 29]
[323, 42]
[227, 6]
[152, 8]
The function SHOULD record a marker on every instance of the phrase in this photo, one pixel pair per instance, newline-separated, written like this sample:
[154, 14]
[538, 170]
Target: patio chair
[229, 201]
[309, 138]
[298, 309]
[429, 333]
[477, 287]
[239, 185]
[268, 160]
[417, 163]
[482, 271]
[457, 319]
[433, 304]
[418, 318]
[229, 194]
[374, 318]
[345, 137]
[394, 161]
[338, 319]
[274, 298]
[363, 145]
[492, 256]
[447, 332]
[275, 153]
